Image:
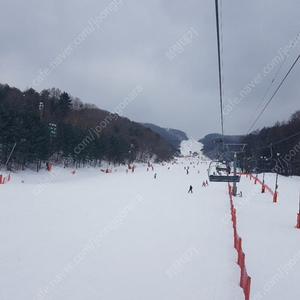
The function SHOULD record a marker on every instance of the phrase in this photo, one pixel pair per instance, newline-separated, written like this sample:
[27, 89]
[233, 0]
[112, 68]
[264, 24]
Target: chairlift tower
[235, 149]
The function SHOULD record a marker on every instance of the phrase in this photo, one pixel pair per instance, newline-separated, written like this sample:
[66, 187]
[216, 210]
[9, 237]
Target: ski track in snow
[116, 236]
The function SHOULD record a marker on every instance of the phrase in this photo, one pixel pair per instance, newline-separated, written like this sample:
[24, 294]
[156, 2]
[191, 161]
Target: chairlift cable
[219, 65]
[272, 144]
[287, 74]
[280, 67]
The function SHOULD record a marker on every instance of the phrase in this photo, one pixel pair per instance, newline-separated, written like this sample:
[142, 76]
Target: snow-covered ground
[270, 240]
[92, 235]
[190, 146]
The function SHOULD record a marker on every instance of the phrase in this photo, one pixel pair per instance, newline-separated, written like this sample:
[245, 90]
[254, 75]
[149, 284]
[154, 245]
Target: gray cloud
[128, 49]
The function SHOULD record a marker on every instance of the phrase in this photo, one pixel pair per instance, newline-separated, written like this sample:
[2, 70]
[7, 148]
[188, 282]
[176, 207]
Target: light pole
[41, 109]
[276, 181]
[130, 153]
[263, 182]
[234, 188]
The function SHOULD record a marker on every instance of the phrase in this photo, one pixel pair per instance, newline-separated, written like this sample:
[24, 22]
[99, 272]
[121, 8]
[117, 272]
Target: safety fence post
[298, 221]
[275, 197]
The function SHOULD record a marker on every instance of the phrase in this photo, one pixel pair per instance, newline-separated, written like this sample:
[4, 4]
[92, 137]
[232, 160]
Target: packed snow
[190, 146]
[270, 240]
[127, 235]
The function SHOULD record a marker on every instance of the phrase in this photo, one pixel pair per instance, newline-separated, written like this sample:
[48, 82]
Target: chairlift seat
[223, 169]
[222, 178]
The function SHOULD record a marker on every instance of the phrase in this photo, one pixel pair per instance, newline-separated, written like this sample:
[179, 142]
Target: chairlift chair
[222, 175]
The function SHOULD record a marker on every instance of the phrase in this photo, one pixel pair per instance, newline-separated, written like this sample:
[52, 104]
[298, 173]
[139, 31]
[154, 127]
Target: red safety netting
[245, 279]
[4, 179]
[258, 180]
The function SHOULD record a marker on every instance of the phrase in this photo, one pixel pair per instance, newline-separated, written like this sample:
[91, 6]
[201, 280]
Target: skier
[155, 176]
[218, 169]
[203, 184]
[191, 189]
[228, 169]
[206, 182]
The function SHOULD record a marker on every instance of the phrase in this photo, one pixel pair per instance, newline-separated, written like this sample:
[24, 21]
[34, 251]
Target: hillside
[210, 143]
[278, 144]
[274, 148]
[173, 136]
[52, 126]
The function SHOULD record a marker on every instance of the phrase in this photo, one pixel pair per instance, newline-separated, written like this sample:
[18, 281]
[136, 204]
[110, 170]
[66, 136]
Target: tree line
[275, 148]
[54, 127]
[271, 149]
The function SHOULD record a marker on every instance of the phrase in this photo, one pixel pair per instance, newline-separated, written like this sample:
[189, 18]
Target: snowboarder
[191, 189]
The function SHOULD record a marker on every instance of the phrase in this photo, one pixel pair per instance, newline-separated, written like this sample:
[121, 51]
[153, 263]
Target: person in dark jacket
[191, 189]
[228, 169]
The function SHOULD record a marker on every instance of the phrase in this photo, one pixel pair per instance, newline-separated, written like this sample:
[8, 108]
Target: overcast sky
[107, 48]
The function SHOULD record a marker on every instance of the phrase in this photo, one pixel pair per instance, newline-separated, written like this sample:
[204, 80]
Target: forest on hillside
[275, 148]
[54, 127]
[271, 149]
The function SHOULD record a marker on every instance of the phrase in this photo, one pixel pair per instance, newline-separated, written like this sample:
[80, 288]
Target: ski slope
[92, 235]
[270, 241]
[190, 146]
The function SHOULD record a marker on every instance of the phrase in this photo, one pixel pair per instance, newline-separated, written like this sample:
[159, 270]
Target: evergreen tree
[64, 104]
